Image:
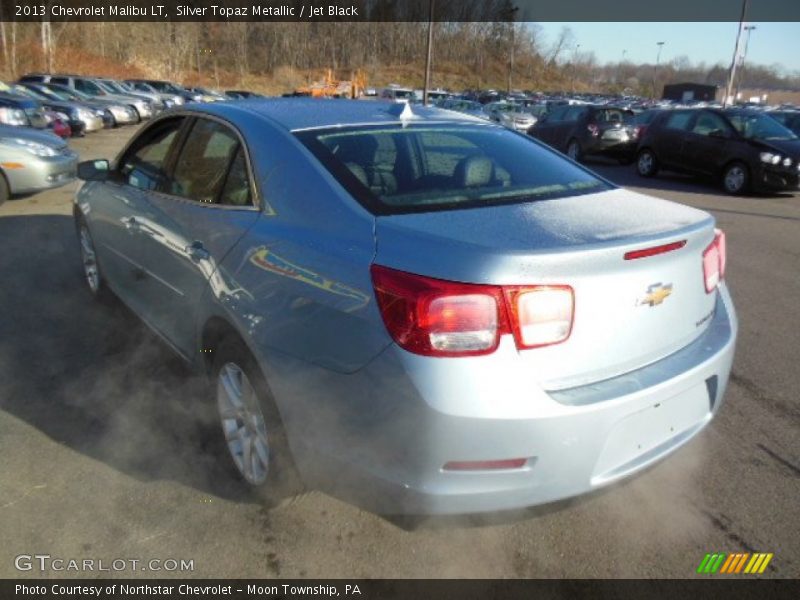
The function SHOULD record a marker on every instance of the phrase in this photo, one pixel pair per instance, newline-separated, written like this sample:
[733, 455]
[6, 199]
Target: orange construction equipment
[331, 87]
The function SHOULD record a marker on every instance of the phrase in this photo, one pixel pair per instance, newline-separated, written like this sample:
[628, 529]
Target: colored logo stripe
[735, 562]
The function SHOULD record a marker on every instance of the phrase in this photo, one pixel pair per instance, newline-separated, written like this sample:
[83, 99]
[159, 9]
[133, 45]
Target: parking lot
[103, 458]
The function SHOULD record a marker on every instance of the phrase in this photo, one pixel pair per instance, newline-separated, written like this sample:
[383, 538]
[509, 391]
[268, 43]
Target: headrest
[474, 171]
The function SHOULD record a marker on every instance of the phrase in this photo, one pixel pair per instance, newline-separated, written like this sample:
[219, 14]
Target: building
[684, 92]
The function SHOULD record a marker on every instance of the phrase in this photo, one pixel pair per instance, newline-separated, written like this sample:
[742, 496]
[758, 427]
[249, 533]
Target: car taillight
[593, 129]
[434, 317]
[541, 315]
[638, 131]
[714, 259]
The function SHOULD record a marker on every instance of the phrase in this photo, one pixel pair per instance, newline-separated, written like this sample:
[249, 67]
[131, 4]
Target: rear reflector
[485, 465]
[663, 249]
[433, 317]
[714, 261]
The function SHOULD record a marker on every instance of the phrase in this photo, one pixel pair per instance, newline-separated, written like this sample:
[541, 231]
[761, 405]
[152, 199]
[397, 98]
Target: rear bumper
[381, 437]
[616, 148]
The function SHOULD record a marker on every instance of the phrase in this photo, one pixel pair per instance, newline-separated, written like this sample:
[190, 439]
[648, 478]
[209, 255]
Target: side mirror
[94, 170]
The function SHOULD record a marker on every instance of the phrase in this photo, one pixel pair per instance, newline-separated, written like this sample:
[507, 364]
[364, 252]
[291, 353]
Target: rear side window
[59, 80]
[145, 161]
[574, 113]
[202, 170]
[678, 120]
[612, 115]
[557, 114]
[419, 168]
[708, 123]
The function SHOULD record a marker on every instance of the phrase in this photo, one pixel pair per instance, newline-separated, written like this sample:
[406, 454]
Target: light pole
[619, 68]
[574, 65]
[655, 69]
[732, 73]
[428, 56]
[748, 29]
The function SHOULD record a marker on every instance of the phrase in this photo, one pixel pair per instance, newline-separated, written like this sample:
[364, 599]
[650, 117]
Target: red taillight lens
[714, 259]
[540, 315]
[433, 317]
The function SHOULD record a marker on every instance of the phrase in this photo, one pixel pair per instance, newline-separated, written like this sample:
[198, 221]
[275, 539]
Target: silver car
[31, 161]
[415, 310]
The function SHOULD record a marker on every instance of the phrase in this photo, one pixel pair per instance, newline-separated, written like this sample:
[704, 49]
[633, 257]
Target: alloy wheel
[735, 178]
[243, 423]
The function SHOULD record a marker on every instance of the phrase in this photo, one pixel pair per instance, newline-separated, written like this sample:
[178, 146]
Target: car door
[706, 144]
[119, 209]
[574, 126]
[668, 139]
[545, 127]
[206, 205]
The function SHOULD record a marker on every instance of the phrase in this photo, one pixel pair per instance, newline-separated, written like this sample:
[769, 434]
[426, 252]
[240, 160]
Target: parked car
[21, 111]
[172, 95]
[746, 150]
[142, 108]
[642, 119]
[397, 93]
[166, 87]
[788, 118]
[202, 94]
[91, 116]
[581, 130]
[467, 107]
[242, 94]
[114, 113]
[33, 160]
[66, 112]
[512, 116]
[284, 246]
[111, 86]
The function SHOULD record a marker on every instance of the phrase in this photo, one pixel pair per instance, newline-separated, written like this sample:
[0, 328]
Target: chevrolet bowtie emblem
[656, 294]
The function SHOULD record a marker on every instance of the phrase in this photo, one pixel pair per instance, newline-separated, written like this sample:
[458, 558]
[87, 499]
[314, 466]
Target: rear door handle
[197, 251]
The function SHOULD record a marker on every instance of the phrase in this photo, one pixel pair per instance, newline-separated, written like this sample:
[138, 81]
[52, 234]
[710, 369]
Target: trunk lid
[628, 313]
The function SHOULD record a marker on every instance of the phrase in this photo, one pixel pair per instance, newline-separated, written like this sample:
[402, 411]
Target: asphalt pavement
[102, 451]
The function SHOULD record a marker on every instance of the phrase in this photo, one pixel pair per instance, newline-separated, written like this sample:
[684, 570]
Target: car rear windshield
[418, 168]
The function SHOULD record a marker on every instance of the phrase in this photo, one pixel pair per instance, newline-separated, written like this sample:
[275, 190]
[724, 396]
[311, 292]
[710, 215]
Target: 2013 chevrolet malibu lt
[416, 310]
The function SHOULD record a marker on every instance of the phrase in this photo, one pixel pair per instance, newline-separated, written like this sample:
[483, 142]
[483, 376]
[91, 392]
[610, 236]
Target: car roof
[301, 113]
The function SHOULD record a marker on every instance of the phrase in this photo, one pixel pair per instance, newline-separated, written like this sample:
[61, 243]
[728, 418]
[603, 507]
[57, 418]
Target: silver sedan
[31, 161]
[413, 309]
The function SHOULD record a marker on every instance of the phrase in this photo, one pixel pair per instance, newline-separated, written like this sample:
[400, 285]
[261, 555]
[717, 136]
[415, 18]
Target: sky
[770, 43]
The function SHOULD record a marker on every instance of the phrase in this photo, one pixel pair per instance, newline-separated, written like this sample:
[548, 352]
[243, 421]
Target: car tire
[249, 428]
[113, 119]
[736, 178]
[5, 192]
[646, 163]
[574, 150]
[92, 275]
